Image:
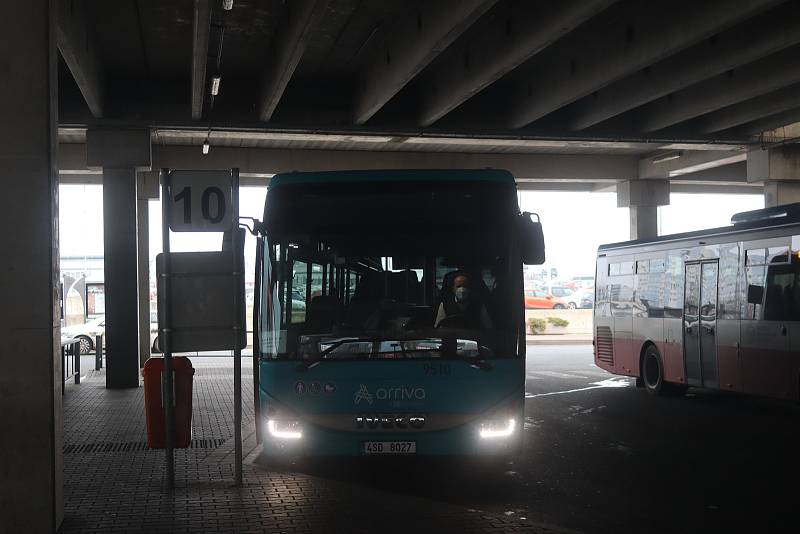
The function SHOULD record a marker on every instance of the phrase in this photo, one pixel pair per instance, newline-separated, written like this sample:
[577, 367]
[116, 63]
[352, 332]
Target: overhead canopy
[597, 70]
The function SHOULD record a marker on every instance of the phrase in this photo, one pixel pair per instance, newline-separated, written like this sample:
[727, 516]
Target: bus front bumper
[494, 438]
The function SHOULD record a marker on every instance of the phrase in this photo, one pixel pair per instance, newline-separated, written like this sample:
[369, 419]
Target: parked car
[583, 298]
[583, 282]
[85, 333]
[561, 292]
[538, 299]
[574, 298]
[154, 332]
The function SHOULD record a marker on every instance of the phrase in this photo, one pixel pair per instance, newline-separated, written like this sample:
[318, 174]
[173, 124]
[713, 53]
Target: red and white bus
[716, 308]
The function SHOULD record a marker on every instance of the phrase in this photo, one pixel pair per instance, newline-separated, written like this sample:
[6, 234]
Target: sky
[574, 223]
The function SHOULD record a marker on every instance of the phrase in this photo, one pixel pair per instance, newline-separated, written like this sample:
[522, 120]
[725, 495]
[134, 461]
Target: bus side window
[755, 271]
[674, 286]
[780, 301]
[299, 297]
[316, 280]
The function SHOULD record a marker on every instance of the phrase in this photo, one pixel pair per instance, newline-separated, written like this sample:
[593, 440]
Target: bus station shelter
[641, 98]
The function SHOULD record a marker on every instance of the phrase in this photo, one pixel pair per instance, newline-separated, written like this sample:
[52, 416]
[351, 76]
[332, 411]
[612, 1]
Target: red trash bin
[183, 373]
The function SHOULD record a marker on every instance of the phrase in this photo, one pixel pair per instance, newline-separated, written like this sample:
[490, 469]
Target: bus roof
[416, 175]
[747, 221]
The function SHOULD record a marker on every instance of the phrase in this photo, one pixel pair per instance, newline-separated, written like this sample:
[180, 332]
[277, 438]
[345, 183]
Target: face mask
[462, 294]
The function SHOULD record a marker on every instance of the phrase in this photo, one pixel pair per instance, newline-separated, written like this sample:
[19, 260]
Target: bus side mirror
[531, 239]
[755, 294]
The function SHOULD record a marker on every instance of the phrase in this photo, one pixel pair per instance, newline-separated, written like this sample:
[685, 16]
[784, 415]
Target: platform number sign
[201, 201]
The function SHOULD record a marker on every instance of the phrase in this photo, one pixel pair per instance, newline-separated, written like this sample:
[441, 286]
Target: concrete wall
[580, 321]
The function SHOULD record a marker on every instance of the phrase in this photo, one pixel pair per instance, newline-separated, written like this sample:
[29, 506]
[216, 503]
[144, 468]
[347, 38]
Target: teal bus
[358, 349]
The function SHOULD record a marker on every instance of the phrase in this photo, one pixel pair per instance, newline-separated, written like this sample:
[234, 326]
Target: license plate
[390, 447]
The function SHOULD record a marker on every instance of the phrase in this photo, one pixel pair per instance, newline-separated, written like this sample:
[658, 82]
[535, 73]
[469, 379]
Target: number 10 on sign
[201, 201]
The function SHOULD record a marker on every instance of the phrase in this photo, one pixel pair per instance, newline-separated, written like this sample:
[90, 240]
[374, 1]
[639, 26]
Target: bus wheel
[652, 371]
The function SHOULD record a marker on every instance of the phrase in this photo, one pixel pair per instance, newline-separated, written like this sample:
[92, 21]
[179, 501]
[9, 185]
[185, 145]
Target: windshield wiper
[306, 364]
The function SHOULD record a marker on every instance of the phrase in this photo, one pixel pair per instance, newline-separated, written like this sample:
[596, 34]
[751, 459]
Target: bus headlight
[498, 428]
[283, 429]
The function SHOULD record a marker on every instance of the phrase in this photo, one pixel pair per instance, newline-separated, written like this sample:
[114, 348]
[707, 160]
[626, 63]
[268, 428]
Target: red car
[538, 299]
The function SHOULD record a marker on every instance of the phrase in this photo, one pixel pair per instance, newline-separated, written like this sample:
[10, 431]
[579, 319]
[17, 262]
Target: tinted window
[753, 292]
[673, 285]
[649, 301]
[782, 292]
[692, 290]
[626, 267]
[778, 255]
[299, 277]
[621, 296]
[756, 256]
[708, 306]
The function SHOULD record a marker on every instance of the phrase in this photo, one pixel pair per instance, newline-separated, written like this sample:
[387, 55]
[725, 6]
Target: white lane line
[610, 383]
[557, 374]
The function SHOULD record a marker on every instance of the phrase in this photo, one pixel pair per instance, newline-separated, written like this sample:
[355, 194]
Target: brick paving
[113, 483]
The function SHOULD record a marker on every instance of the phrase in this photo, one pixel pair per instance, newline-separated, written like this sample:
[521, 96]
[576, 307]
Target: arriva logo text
[401, 393]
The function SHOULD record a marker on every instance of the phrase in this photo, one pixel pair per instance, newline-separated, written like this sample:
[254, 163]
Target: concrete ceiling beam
[723, 175]
[749, 81]
[76, 43]
[748, 111]
[514, 35]
[201, 29]
[645, 33]
[704, 189]
[416, 40]
[679, 163]
[788, 130]
[295, 32]
[776, 127]
[265, 162]
[769, 33]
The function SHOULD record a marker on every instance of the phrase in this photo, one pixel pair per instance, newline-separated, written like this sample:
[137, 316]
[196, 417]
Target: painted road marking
[609, 383]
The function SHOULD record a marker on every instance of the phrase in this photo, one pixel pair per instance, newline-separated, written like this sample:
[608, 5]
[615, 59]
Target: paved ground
[601, 456]
[113, 483]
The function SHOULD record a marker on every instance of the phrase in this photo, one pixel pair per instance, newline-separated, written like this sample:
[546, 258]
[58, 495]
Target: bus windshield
[376, 275]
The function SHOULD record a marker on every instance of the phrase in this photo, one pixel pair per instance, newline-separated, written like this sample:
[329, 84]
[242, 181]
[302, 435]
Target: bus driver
[461, 309]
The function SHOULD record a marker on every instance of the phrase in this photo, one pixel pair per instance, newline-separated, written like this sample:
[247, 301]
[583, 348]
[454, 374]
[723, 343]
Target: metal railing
[70, 361]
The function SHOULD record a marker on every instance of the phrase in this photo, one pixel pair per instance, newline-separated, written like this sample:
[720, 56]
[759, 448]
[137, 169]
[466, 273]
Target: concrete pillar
[147, 188]
[779, 193]
[31, 466]
[143, 268]
[120, 153]
[643, 197]
[779, 169]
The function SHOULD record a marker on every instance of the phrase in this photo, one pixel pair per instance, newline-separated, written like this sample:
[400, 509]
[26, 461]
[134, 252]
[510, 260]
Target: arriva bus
[715, 309]
[355, 357]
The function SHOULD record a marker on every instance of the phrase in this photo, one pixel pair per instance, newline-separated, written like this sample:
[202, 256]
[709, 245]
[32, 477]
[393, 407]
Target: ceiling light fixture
[667, 157]
[215, 81]
[227, 5]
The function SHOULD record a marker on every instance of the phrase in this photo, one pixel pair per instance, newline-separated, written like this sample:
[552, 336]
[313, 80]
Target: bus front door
[700, 324]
